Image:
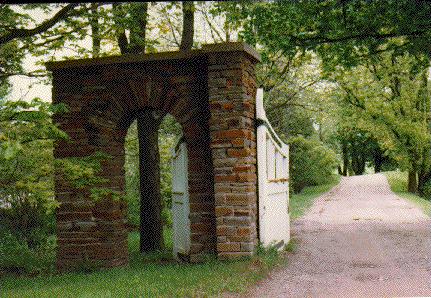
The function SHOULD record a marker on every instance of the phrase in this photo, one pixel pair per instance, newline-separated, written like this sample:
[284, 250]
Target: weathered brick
[228, 247]
[222, 211]
[225, 178]
[244, 231]
[237, 221]
[237, 199]
[244, 177]
[225, 230]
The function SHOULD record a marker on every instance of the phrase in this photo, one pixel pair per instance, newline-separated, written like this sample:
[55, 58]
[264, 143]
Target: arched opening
[169, 138]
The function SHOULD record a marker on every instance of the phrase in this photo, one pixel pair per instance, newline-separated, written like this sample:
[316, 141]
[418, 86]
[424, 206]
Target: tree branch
[172, 29]
[361, 36]
[22, 33]
[35, 74]
[212, 27]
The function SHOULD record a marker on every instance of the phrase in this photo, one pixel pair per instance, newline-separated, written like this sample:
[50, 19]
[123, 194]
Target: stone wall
[232, 92]
[211, 93]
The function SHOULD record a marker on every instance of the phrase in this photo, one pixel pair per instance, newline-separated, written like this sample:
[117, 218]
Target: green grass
[300, 203]
[152, 275]
[398, 182]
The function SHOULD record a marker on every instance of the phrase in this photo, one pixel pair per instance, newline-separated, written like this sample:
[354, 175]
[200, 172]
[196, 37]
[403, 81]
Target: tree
[342, 32]
[188, 26]
[387, 100]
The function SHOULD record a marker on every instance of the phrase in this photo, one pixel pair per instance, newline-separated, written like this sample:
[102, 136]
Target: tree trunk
[378, 160]
[122, 41]
[345, 158]
[358, 162]
[151, 226]
[188, 26]
[95, 30]
[424, 177]
[362, 162]
[139, 15]
[412, 185]
[227, 30]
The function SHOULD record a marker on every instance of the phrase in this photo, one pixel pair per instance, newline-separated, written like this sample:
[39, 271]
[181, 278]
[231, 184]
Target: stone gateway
[211, 92]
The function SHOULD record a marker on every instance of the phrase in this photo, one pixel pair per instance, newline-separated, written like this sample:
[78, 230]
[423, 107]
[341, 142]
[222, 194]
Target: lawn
[398, 182]
[300, 203]
[153, 275]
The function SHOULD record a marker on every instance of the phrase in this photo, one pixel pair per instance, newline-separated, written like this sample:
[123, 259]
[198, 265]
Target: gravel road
[358, 240]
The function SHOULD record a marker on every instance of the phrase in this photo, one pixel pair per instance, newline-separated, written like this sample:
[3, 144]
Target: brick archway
[211, 93]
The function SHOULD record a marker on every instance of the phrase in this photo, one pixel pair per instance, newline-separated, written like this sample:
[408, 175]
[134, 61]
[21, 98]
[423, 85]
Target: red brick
[244, 168]
[228, 106]
[244, 231]
[233, 134]
[239, 152]
[225, 178]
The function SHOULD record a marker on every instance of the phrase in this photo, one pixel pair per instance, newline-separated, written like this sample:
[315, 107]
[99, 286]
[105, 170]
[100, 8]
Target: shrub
[311, 163]
[18, 258]
[26, 170]
[427, 190]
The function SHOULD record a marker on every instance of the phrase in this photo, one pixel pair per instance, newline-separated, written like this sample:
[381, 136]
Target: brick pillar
[88, 232]
[232, 91]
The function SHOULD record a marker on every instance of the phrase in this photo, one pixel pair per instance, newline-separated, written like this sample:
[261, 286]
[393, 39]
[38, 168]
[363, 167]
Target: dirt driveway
[359, 240]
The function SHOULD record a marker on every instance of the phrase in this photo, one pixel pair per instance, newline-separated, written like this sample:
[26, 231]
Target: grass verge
[300, 203]
[151, 275]
[398, 183]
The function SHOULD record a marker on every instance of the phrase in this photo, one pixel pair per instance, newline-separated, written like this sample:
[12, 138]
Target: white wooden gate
[273, 181]
[180, 202]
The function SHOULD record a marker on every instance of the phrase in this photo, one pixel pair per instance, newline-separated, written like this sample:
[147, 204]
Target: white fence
[273, 181]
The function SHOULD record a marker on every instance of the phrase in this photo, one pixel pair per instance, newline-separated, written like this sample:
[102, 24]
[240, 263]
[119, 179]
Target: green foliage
[342, 32]
[82, 171]
[27, 201]
[26, 173]
[17, 257]
[311, 163]
[427, 190]
[388, 101]
[100, 193]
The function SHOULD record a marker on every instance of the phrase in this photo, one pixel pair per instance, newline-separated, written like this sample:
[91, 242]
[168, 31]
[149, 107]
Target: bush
[29, 222]
[311, 163]
[26, 170]
[18, 258]
[427, 190]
